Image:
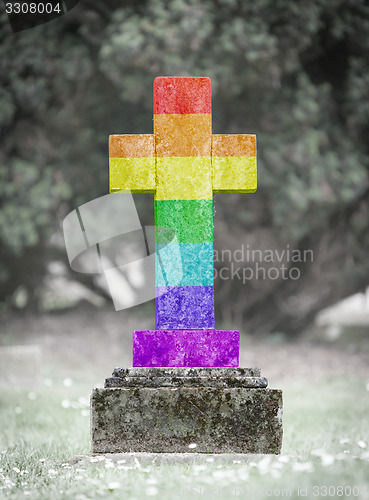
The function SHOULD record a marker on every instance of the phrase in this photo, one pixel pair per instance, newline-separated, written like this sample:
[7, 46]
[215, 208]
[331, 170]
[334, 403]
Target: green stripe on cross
[192, 220]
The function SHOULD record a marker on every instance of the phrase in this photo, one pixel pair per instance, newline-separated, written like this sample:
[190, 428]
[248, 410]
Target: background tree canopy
[296, 74]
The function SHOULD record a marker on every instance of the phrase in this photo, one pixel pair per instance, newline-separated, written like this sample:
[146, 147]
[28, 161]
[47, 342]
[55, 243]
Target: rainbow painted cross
[183, 164]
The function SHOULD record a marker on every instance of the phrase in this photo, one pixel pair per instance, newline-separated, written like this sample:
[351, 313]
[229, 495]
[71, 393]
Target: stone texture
[203, 371]
[251, 382]
[178, 95]
[186, 347]
[181, 307]
[173, 172]
[214, 408]
[234, 163]
[168, 420]
[184, 264]
[191, 220]
[189, 377]
[183, 136]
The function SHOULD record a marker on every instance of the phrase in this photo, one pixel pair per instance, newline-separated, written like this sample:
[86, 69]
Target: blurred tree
[296, 74]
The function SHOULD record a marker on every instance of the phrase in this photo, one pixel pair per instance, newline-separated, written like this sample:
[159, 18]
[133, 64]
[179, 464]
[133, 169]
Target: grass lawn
[325, 451]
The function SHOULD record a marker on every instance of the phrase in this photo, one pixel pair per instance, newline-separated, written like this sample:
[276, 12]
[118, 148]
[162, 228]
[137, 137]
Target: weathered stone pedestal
[165, 410]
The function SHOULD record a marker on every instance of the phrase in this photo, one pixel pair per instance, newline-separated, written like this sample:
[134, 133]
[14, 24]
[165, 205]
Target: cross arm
[234, 163]
[132, 163]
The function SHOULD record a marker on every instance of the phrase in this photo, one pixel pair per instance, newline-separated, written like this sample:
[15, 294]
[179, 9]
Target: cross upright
[183, 163]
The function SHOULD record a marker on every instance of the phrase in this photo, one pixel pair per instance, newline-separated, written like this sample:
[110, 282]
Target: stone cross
[183, 163]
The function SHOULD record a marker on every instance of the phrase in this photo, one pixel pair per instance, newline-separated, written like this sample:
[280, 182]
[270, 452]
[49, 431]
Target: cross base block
[181, 348]
[184, 411]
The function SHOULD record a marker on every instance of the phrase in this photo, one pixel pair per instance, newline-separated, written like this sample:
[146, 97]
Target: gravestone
[185, 391]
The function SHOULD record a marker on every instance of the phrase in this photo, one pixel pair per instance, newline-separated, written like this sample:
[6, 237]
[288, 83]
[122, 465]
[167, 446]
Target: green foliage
[39, 193]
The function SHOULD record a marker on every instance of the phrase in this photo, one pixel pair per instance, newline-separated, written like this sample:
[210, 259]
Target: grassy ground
[326, 425]
[325, 451]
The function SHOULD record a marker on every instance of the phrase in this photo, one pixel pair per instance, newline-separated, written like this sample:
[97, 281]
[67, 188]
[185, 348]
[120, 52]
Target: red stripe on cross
[182, 95]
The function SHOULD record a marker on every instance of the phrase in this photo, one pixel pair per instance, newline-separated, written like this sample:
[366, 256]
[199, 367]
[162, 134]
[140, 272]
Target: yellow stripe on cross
[234, 163]
[132, 163]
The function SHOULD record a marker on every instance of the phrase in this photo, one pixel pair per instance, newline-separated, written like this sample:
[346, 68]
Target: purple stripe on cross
[186, 347]
[190, 307]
